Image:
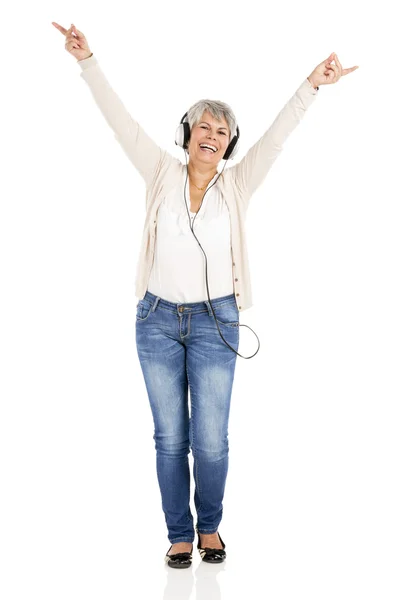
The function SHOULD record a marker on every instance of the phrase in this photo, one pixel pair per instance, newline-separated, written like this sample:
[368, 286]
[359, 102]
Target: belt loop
[208, 307]
[155, 303]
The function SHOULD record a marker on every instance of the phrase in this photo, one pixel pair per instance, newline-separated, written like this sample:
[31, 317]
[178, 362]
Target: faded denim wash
[180, 349]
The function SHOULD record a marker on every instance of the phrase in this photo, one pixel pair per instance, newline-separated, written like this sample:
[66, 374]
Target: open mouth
[208, 148]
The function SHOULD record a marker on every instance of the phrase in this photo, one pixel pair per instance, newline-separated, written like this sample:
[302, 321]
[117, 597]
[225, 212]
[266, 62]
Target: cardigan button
[240, 307]
[236, 279]
[233, 264]
[237, 294]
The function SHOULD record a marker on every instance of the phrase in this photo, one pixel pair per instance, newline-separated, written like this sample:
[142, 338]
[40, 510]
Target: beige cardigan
[161, 171]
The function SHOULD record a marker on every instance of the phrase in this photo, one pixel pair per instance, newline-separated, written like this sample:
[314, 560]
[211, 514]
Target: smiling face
[212, 132]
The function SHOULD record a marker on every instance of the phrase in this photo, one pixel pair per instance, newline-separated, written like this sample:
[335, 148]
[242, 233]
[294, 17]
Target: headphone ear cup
[182, 135]
[179, 135]
[186, 134]
[232, 149]
[235, 150]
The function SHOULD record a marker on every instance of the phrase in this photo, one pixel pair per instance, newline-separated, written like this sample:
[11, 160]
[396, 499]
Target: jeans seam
[193, 447]
[231, 324]
[151, 309]
[183, 337]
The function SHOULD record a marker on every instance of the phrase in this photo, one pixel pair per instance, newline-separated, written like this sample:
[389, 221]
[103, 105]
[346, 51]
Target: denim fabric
[181, 350]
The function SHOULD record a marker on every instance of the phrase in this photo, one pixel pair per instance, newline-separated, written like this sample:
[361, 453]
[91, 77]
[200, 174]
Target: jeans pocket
[143, 309]
[227, 314]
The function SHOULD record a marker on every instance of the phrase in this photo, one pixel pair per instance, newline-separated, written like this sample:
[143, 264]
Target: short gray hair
[219, 110]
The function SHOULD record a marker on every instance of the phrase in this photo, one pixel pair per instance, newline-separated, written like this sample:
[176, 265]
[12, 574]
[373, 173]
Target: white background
[312, 495]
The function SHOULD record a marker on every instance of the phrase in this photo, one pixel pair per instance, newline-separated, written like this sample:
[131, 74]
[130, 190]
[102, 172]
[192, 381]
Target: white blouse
[178, 272]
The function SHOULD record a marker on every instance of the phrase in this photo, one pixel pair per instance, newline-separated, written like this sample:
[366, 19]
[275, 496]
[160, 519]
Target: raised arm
[251, 171]
[142, 151]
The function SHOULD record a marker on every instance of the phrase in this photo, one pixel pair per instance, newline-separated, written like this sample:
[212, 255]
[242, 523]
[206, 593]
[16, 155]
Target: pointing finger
[347, 71]
[60, 28]
[344, 71]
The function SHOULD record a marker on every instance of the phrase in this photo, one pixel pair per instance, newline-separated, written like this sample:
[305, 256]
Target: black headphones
[182, 137]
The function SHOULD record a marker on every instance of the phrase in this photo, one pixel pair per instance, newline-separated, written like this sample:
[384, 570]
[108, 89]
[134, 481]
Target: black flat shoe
[212, 555]
[181, 560]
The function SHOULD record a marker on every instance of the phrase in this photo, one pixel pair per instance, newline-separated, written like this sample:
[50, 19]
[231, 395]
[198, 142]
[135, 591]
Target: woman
[179, 343]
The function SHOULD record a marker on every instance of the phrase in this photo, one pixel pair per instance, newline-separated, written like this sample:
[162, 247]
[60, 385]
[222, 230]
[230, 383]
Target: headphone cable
[208, 292]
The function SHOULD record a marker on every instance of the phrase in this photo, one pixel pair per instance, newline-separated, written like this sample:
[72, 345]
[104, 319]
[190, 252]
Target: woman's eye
[205, 127]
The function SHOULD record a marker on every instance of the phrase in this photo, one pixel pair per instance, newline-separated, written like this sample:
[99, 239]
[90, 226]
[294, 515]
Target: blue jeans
[180, 349]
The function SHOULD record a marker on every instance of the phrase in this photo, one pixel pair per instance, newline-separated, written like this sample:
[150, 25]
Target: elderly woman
[187, 341]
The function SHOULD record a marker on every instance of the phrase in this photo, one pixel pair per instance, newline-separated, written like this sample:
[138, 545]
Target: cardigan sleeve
[142, 151]
[251, 171]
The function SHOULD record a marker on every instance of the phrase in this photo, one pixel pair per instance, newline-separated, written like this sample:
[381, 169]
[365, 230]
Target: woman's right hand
[75, 42]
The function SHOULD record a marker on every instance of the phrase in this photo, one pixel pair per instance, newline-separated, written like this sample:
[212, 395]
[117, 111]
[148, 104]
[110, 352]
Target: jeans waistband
[192, 307]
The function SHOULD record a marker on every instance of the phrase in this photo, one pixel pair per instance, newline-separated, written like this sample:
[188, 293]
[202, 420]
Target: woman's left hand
[326, 72]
